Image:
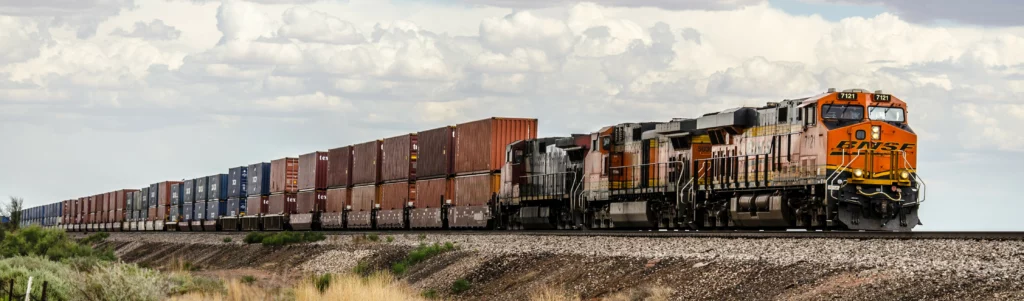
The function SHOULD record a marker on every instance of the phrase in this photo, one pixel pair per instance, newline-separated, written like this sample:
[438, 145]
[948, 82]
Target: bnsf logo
[886, 146]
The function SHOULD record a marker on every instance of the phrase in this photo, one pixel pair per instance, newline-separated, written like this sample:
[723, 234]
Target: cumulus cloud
[84, 15]
[154, 30]
[307, 25]
[983, 12]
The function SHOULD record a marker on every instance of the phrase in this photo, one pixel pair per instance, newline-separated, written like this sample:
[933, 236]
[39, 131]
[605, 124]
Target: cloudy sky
[98, 95]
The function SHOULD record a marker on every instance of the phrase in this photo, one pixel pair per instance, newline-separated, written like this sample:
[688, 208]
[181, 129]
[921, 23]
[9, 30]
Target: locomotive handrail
[835, 175]
[634, 177]
[922, 186]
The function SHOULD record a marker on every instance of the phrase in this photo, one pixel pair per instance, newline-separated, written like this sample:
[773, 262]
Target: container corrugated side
[256, 204]
[396, 195]
[200, 194]
[284, 175]
[313, 171]
[436, 152]
[364, 197]
[238, 179]
[188, 191]
[164, 193]
[431, 193]
[398, 158]
[339, 167]
[475, 190]
[282, 203]
[310, 201]
[259, 179]
[337, 199]
[366, 163]
[480, 145]
[216, 187]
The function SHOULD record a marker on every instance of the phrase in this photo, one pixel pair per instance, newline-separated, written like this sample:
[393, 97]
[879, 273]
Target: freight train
[840, 160]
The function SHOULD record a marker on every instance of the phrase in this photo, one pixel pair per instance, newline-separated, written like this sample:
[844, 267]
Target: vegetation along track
[965, 235]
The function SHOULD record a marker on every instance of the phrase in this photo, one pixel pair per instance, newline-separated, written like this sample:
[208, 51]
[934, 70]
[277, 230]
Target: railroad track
[962, 235]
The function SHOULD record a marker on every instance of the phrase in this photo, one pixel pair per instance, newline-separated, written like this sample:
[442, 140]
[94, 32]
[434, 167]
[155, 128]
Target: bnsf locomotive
[841, 160]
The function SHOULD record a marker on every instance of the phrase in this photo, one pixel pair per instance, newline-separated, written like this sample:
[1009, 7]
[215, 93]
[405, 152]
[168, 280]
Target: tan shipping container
[284, 175]
[310, 201]
[365, 197]
[366, 163]
[396, 195]
[398, 158]
[337, 199]
[430, 192]
[480, 145]
[475, 190]
[282, 203]
[257, 204]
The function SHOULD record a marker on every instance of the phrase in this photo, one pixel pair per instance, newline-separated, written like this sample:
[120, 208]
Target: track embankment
[515, 267]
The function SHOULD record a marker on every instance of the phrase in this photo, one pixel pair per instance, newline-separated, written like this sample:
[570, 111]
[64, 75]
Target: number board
[846, 96]
[883, 97]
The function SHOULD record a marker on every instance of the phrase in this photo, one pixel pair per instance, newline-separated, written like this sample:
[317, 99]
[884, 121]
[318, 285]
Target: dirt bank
[514, 268]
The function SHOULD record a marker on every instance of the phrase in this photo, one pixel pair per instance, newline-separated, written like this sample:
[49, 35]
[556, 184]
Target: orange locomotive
[840, 160]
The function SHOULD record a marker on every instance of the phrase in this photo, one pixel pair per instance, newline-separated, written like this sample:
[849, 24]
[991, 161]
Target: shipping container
[310, 201]
[282, 203]
[201, 187]
[164, 194]
[216, 208]
[432, 193]
[364, 198]
[313, 171]
[176, 194]
[339, 167]
[151, 214]
[175, 213]
[199, 211]
[366, 163]
[188, 191]
[259, 179]
[337, 199]
[97, 205]
[238, 178]
[480, 145]
[398, 158]
[256, 204]
[216, 187]
[396, 195]
[436, 152]
[154, 195]
[236, 206]
[187, 211]
[284, 175]
[475, 190]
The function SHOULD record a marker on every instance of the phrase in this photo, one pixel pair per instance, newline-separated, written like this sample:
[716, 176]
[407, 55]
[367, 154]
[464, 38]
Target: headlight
[857, 173]
[905, 175]
[876, 132]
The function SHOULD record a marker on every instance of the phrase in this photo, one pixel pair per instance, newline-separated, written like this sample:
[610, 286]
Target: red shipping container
[284, 175]
[475, 190]
[365, 163]
[97, 204]
[480, 145]
[152, 214]
[430, 192]
[119, 216]
[310, 201]
[337, 199]
[396, 195]
[313, 171]
[365, 197]
[257, 204]
[339, 167]
[164, 193]
[436, 152]
[398, 158]
[162, 212]
[111, 197]
[283, 203]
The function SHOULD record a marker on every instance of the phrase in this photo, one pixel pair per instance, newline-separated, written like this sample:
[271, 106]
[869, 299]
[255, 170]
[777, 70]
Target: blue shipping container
[189, 192]
[201, 187]
[238, 179]
[199, 211]
[215, 209]
[176, 195]
[259, 179]
[217, 187]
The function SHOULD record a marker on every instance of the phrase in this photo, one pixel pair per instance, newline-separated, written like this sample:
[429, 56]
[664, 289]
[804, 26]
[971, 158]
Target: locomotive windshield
[886, 114]
[842, 112]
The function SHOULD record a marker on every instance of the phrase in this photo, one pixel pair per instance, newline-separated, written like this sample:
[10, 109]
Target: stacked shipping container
[339, 180]
[238, 179]
[398, 173]
[216, 200]
[479, 156]
[365, 195]
[434, 165]
[312, 185]
[258, 195]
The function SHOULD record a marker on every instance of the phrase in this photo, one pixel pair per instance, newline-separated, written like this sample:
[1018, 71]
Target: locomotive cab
[871, 154]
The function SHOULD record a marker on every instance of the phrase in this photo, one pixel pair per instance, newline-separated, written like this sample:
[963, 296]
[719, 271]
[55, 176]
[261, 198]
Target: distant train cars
[840, 160]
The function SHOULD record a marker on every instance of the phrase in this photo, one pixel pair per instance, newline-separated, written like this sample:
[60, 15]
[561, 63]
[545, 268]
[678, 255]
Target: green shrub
[390, 238]
[248, 279]
[227, 240]
[283, 238]
[51, 243]
[361, 268]
[122, 282]
[322, 283]
[429, 294]
[254, 237]
[460, 286]
[422, 236]
[94, 238]
[373, 237]
[421, 253]
[59, 277]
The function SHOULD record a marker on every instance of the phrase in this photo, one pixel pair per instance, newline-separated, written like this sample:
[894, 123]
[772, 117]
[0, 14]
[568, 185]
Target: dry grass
[342, 288]
[552, 294]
